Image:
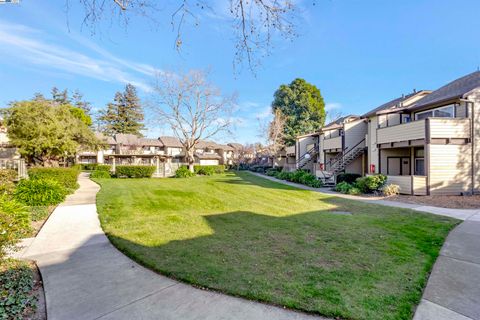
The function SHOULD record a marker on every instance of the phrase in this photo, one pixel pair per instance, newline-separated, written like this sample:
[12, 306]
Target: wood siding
[449, 128]
[449, 169]
[333, 143]
[419, 185]
[355, 132]
[403, 132]
[404, 182]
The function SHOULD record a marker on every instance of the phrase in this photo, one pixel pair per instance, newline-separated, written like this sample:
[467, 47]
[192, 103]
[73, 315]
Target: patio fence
[15, 164]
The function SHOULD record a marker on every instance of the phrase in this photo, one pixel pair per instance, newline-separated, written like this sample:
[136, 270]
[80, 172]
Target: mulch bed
[452, 202]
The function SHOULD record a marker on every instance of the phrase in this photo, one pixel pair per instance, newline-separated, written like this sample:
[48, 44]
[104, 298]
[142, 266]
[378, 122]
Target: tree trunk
[190, 159]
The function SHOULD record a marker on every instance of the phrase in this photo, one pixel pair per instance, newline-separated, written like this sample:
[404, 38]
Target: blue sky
[359, 53]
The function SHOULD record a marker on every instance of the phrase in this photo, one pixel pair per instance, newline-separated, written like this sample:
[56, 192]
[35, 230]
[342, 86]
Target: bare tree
[254, 23]
[334, 115]
[192, 107]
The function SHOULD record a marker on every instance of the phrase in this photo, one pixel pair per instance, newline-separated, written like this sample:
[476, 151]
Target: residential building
[427, 142]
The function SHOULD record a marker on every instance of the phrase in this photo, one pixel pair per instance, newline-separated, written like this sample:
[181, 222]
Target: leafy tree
[303, 107]
[124, 114]
[81, 115]
[46, 132]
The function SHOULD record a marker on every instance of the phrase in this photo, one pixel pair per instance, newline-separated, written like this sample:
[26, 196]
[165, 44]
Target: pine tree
[79, 102]
[60, 97]
[124, 114]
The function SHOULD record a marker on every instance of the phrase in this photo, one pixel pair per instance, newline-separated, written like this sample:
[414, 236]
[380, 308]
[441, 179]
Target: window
[442, 112]
[419, 166]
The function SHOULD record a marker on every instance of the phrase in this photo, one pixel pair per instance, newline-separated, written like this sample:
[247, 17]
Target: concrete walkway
[85, 277]
[453, 289]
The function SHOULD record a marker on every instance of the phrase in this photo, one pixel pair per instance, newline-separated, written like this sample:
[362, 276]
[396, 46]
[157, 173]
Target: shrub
[183, 172]
[272, 172]
[204, 170]
[103, 167]
[348, 177]
[67, 177]
[343, 187]
[284, 175]
[16, 284]
[134, 171]
[390, 189]
[40, 192]
[14, 223]
[89, 166]
[7, 178]
[371, 183]
[99, 174]
[354, 191]
[299, 176]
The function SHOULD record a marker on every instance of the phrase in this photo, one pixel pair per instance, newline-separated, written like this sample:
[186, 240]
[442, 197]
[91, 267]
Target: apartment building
[426, 142]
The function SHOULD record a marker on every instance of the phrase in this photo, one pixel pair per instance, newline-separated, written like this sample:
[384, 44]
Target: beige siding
[333, 143]
[321, 157]
[475, 98]
[356, 166]
[449, 128]
[303, 143]
[419, 185]
[403, 132]
[372, 143]
[449, 169]
[385, 153]
[404, 182]
[355, 132]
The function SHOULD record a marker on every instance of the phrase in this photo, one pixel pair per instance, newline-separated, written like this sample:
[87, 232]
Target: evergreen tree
[303, 106]
[79, 102]
[60, 97]
[124, 114]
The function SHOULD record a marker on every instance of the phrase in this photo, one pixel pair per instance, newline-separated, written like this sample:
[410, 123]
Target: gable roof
[388, 105]
[339, 122]
[236, 146]
[171, 141]
[453, 90]
[151, 142]
[126, 139]
[104, 138]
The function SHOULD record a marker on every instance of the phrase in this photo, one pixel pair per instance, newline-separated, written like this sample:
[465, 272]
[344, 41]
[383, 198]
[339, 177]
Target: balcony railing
[439, 128]
[140, 152]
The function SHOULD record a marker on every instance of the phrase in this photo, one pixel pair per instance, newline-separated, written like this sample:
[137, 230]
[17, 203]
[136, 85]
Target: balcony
[440, 128]
[140, 152]
[332, 143]
[411, 185]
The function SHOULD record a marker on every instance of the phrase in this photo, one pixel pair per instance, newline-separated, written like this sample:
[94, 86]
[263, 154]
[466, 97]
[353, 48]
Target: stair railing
[344, 154]
[312, 150]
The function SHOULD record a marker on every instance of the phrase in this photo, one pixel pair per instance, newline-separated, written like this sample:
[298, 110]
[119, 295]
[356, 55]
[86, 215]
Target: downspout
[472, 141]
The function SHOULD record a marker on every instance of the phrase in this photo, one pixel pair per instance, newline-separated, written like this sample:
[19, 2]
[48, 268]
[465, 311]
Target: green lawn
[258, 239]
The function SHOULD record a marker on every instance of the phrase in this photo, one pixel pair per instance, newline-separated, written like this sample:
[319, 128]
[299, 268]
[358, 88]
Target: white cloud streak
[333, 106]
[36, 48]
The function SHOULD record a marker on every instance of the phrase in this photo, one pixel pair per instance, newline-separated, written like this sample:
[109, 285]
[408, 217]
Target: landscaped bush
[390, 189]
[284, 175]
[343, 187]
[273, 172]
[67, 177]
[89, 166]
[7, 178]
[14, 223]
[209, 170]
[243, 166]
[348, 177]
[39, 213]
[259, 168]
[40, 192]
[354, 191]
[183, 172]
[16, 298]
[300, 176]
[134, 171]
[103, 167]
[371, 183]
[100, 174]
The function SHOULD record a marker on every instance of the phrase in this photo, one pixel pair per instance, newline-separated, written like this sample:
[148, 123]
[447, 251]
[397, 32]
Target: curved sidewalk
[453, 288]
[85, 277]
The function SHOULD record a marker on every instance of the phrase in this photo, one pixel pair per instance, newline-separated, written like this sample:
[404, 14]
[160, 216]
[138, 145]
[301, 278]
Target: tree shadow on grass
[335, 265]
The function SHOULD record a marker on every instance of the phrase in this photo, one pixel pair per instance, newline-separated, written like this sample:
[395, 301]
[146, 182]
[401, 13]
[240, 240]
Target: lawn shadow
[246, 178]
[313, 261]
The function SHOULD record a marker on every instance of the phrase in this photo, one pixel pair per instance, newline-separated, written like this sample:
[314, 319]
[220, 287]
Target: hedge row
[96, 167]
[134, 171]
[67, 177]
[209, 170]
[298, 176]
[366, 184]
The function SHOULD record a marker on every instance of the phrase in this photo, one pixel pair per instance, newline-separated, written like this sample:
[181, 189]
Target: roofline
[434, 104]
[308, 134]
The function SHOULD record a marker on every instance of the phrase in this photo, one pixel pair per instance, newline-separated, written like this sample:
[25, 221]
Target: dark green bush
[300, 176]
[40, 192]
[209, 170]
[104, 167]
[99, 174]
[371, 183]
[14, 223]
[17, 300]
[273, 171]
[348, 177]
[89, 166]
[343, 187]
[67, 177]
[134, 171]
[183, 172]
[284, 175]
[7, 178]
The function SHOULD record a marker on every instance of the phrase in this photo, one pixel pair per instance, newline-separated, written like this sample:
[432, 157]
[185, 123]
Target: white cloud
[37, 48]
[333, 106]
[265, 113]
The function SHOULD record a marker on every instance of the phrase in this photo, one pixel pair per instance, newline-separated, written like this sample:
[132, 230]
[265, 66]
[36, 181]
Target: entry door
[405, 166]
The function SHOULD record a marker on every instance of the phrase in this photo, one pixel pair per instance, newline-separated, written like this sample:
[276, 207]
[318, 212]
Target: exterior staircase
[339, 163]
[304, 159]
